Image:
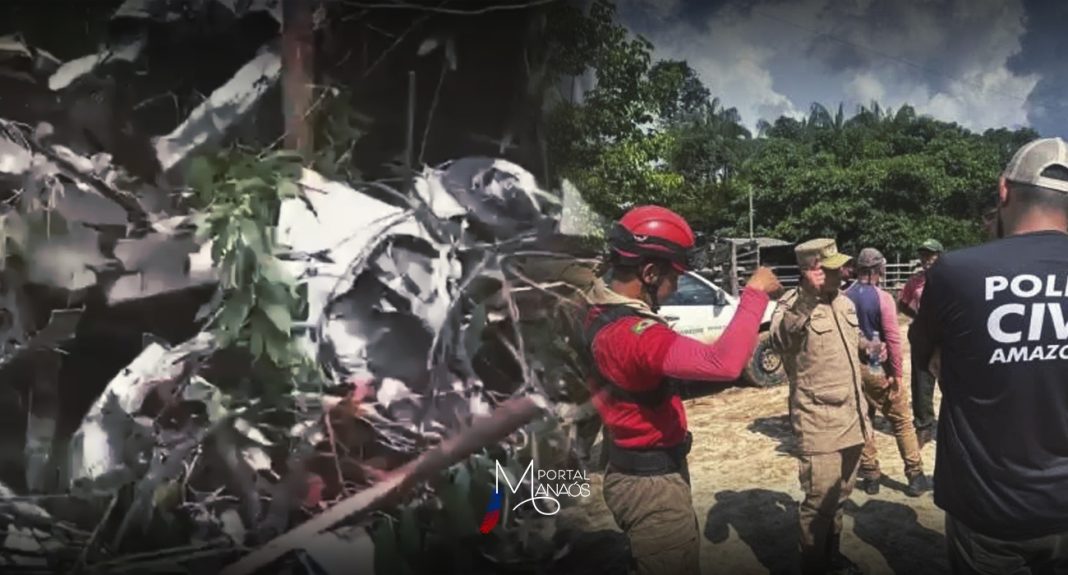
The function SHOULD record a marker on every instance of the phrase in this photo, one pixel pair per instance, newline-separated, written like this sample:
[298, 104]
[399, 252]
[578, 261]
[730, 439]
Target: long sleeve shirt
[818, 341]
[637, 353]
[877, 311]
[912, 293]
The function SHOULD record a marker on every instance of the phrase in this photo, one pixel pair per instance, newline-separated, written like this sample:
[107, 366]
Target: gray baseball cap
[870, 258]
[1027, 165]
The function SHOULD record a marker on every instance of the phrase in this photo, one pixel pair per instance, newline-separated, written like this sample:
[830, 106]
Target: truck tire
[765, 368]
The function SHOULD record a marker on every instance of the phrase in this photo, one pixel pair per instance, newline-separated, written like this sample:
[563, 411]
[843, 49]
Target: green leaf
[456, 498]
[284, 155]
[411, 543]
[278, 348]
[246, 185]
[254, 239]
[201, 176]
[388, 558]
[273, 274]
[288, 189]
[278, 313]
[234, 313]
[256, 345]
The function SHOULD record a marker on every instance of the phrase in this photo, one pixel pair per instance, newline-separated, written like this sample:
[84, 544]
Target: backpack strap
[602, 317]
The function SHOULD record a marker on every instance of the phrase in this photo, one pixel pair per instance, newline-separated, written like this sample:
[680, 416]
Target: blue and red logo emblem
[493, 513]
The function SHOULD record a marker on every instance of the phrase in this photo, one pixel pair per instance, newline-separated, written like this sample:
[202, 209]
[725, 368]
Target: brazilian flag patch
[642, 325]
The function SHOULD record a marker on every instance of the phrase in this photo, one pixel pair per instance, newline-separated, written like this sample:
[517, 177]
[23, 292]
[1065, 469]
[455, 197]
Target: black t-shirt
[999, 313]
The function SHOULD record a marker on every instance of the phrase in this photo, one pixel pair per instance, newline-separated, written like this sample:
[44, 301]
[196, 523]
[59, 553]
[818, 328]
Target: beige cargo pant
[896, 410]
[656, 512]
[827, 480]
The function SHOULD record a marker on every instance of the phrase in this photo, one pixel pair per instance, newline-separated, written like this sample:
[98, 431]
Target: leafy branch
[240, 195]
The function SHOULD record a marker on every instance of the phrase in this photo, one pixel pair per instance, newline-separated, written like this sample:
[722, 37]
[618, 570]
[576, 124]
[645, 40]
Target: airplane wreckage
[136, 440]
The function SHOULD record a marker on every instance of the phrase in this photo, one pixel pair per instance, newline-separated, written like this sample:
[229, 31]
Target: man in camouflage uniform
[816, 331]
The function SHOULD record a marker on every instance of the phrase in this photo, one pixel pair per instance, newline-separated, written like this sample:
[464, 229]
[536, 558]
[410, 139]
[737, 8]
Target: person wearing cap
[922, 383]
[816, 331]
[877, 314]
[637, 362]
[997, 312]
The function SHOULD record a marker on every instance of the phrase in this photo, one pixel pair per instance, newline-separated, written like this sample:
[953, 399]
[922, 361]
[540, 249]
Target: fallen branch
[141, 561]
[509, 417]
[94, 539]
[135, 212]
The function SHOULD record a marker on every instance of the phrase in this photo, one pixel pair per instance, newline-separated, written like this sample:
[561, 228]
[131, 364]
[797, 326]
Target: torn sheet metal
[128, 50]
[61, 326]
[158, 264]
[164, 261]
[342, 551]
[347, 223]
[14, 159]
[167, 11]
[226, 106]
[16, 54]
[497, 193]
[54, 176]
[383, 288]
[109, 447]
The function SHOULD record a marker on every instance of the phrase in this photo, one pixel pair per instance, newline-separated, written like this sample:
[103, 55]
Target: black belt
[652, 460]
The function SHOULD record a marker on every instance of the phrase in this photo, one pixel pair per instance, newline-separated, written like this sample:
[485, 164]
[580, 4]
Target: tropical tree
[649, 132]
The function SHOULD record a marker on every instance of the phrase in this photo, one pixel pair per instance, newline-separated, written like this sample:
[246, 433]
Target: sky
[981, 63]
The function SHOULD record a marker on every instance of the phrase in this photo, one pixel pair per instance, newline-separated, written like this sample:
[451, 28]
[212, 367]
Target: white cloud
[947, 59]
[865, 87]
[982, 99]
[732, 62]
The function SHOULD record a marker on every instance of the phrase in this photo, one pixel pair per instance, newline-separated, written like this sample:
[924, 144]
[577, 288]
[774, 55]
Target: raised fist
[765, 280]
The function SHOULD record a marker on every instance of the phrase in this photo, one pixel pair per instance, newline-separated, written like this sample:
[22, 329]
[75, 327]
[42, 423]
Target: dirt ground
[746, 493]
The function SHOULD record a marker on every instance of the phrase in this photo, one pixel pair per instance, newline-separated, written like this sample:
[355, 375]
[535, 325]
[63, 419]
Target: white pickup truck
[702, 310]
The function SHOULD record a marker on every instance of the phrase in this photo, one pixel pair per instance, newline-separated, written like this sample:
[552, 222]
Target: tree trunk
[298, 73]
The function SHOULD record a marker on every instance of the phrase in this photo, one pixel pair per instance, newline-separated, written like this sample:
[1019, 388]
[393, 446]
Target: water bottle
[874, 351]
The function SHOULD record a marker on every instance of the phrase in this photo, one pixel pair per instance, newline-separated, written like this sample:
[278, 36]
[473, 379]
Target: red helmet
[651, 232]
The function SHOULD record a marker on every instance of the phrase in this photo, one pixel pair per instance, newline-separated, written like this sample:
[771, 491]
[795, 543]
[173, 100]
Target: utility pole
[298, 73]
[750, 212]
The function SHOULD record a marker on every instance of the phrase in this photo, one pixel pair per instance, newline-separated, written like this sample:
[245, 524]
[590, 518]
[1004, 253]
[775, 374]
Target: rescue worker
[996, 311]
[638, 360]
[816, 331]
[877, 314]
[923, 383]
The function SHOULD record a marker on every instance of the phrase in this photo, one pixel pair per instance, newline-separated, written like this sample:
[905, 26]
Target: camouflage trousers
[896, 410]
[827, 480]
[656, 512]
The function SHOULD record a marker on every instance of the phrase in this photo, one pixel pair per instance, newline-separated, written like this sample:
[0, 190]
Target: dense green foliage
[650, 132]
[239, 194]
